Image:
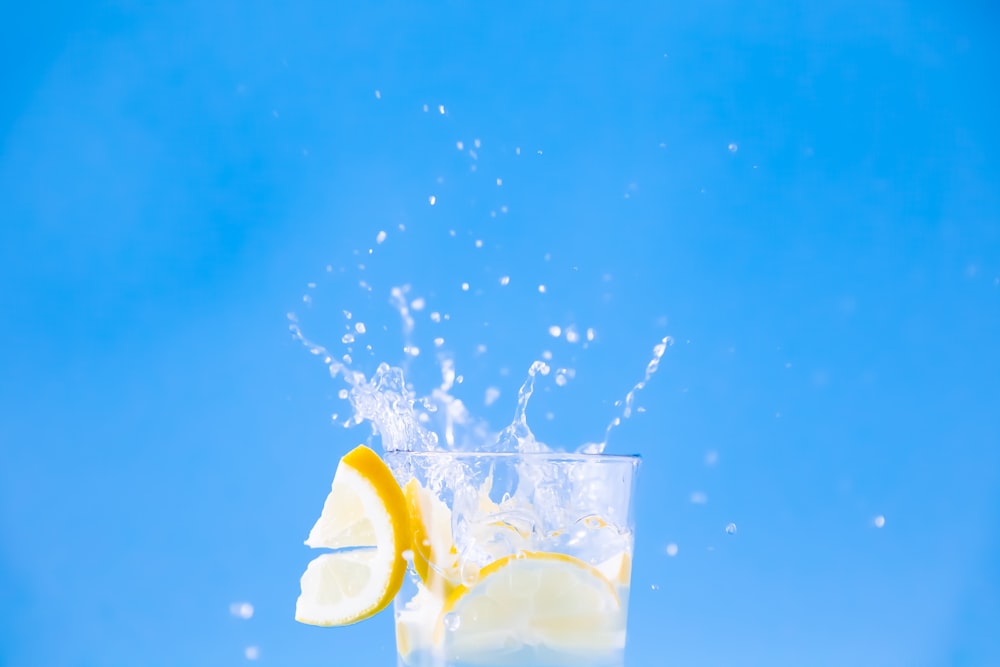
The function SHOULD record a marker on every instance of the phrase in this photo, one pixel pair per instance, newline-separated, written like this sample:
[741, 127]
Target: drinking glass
[516, 558]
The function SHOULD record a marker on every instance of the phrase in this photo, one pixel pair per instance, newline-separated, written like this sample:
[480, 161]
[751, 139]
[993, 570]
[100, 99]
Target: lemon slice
[532, 602]
[617, 569]
[365, 508]
[435, 557]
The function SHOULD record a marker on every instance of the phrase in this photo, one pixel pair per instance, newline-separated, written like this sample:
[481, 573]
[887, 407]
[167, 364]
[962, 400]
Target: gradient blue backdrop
[804, 196]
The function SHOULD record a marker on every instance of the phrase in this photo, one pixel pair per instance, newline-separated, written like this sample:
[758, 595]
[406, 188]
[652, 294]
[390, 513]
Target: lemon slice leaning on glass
[365, 518]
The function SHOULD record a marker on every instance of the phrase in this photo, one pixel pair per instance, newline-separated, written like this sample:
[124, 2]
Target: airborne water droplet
[730, 528]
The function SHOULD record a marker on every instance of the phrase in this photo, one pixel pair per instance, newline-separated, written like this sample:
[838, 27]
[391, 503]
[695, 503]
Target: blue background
[174, 175]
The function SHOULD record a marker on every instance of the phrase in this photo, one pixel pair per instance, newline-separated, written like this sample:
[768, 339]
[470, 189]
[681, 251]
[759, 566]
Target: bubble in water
[730, 528]
[452, 621]
[672, 549]
[879, 521]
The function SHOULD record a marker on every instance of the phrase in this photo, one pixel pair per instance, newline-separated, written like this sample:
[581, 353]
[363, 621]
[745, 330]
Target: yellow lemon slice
[533, 601]
[434, 555]
[365, 508]
[617, 569]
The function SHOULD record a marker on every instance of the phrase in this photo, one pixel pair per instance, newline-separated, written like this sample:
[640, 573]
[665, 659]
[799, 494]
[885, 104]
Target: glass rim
[552, 456]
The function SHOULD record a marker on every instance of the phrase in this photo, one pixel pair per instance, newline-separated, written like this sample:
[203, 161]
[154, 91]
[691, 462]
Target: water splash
[517, 436]
[629, 401]
[405, 421]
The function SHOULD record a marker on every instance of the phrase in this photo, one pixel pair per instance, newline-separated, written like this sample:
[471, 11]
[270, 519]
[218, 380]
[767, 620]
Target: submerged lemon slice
[365, 508]
[532, 599]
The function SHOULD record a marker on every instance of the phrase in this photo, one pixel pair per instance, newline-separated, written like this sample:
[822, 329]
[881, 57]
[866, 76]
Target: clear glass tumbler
[516, 558]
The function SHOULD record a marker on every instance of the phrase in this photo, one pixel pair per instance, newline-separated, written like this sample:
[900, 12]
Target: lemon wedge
[366, 514]
[533, 601]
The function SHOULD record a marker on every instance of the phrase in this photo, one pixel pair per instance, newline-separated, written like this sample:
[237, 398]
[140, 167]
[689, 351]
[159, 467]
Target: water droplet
[671, 549]
[879, 521]
[438, 342]
[711, 457]
[418, 303]
[465, 287]
[541, 289]
[492, 394]
[441, 109]
[378, 94]
[432, 199]
[730, 528]
[460, 145]
[555, 331]
[251, 652]
[343, 393]
[407, 554]
[571, 334]
[347, 339]
[241, 609]
[435, 316]
[591, 334]
[380, 237]
[360, 327]
[505, 280]
[479, 243]
[699, 498]
[733, 148]
[499, 181]
[654, 587]
[477, 143]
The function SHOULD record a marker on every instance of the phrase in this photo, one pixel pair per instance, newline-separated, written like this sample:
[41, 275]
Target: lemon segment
[366, 510]
[532, 599]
